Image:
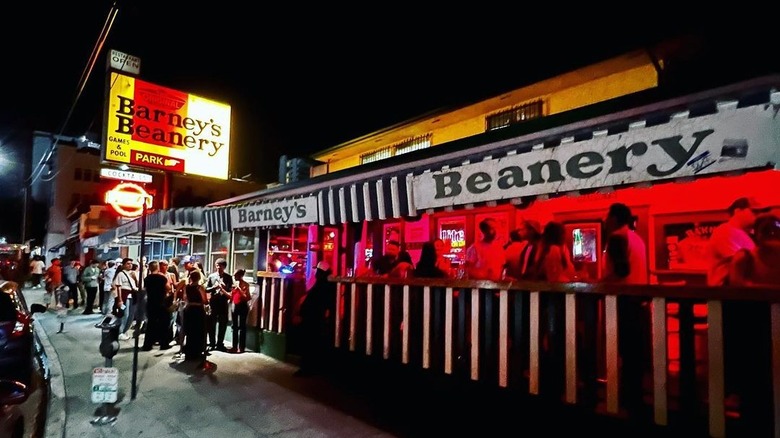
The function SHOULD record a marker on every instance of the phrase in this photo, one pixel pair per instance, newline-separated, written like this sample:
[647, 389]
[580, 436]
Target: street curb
[57, 416]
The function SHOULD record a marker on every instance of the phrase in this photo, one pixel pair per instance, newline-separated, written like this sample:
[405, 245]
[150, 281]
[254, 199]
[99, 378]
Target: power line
[85, 74]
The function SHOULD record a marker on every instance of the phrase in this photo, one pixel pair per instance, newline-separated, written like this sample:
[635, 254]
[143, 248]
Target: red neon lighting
[128, 199]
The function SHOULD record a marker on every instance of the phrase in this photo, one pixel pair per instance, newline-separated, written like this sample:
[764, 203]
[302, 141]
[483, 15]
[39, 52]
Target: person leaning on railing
[748, 367]
[626, 262]
[759, 265]
[428, 265]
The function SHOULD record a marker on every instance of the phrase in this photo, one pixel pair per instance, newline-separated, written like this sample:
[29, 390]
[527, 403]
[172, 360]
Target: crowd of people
[170, 304]
[743, 251]
[532, 253]
[185, 306]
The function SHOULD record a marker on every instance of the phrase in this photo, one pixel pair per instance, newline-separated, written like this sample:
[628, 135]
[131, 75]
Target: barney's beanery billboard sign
[160, 128]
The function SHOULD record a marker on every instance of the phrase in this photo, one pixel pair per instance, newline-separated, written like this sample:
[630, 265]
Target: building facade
[69, 189]
[678, 160]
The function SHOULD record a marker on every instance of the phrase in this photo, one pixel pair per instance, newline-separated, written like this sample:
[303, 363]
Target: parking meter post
[109, 345]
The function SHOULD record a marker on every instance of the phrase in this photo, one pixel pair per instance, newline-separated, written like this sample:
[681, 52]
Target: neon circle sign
[128, 199]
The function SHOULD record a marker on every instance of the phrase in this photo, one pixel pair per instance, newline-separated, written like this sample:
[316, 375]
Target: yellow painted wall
[602, 89]
[613, 78]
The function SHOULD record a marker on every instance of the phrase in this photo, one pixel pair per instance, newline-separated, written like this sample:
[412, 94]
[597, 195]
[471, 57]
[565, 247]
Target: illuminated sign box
[160, 128]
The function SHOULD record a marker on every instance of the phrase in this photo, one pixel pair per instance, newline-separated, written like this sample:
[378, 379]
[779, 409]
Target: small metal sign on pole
[105, 387]
[105, 384]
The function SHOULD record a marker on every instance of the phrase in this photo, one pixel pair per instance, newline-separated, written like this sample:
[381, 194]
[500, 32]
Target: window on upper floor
[409, 145]
[381, 154]
[517, 114]
[87, 174]
[77, 174]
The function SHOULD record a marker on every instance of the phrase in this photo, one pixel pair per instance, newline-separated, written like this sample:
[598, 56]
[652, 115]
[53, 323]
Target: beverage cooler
[584, 241]
[452, 230]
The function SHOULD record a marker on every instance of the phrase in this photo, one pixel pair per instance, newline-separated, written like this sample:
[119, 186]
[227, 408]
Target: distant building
[67, 195]
[295, 169]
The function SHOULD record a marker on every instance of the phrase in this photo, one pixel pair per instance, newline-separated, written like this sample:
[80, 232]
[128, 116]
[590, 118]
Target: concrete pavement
[247, 395]
[253, 395]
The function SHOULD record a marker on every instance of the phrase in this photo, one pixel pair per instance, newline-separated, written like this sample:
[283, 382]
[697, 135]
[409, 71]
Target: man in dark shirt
[219, 285]
[157, 287]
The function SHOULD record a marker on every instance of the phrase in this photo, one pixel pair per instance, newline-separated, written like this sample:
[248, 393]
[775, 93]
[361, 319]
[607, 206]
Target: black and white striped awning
[106, 237]
[217, 219]
[379, 199]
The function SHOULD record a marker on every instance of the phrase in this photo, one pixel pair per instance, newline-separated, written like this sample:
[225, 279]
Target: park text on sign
[160, 128]
[128, 199]
[105, 384]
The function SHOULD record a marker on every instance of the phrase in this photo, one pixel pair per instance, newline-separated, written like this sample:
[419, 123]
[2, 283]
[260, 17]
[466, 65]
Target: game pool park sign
[154, 127]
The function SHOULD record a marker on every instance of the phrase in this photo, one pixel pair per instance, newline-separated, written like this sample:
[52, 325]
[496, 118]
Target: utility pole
[24, 213]
[138, 303]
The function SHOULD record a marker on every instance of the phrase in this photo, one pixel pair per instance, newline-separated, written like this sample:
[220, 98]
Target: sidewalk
[252, 395]
[248, 395]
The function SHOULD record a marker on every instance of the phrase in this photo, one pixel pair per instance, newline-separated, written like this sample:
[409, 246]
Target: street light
[12, 170]
[6, 160]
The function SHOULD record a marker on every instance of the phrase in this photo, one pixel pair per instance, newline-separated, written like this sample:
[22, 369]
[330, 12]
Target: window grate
[413, 144]
[406, 146]
[517, 114]
[381, 154]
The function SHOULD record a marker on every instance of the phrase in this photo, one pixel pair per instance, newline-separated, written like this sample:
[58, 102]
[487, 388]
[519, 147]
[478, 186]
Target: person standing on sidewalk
[173, 268]
[109, 293]
[36, 269]
[70, 276]
[218, 286]
[53, 280]
[91, 279]
[126, 286]
[180, 296]
[139, 297]
[170, 299]
[195, 319]
[240, 303]
[82, 290]
[100, 295]
[157, 316]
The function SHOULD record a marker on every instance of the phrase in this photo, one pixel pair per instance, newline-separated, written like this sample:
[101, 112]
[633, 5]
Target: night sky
[306, 78]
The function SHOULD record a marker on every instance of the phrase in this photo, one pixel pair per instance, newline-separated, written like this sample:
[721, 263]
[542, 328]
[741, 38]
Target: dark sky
[304, 78]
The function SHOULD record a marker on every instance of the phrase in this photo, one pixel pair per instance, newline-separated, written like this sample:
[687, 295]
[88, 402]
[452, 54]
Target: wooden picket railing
[563, 341]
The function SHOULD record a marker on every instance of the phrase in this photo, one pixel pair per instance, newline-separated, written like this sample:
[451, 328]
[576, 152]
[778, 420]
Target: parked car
[24, 369]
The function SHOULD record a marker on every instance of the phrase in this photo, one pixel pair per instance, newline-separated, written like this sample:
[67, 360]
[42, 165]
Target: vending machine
[584, 241]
